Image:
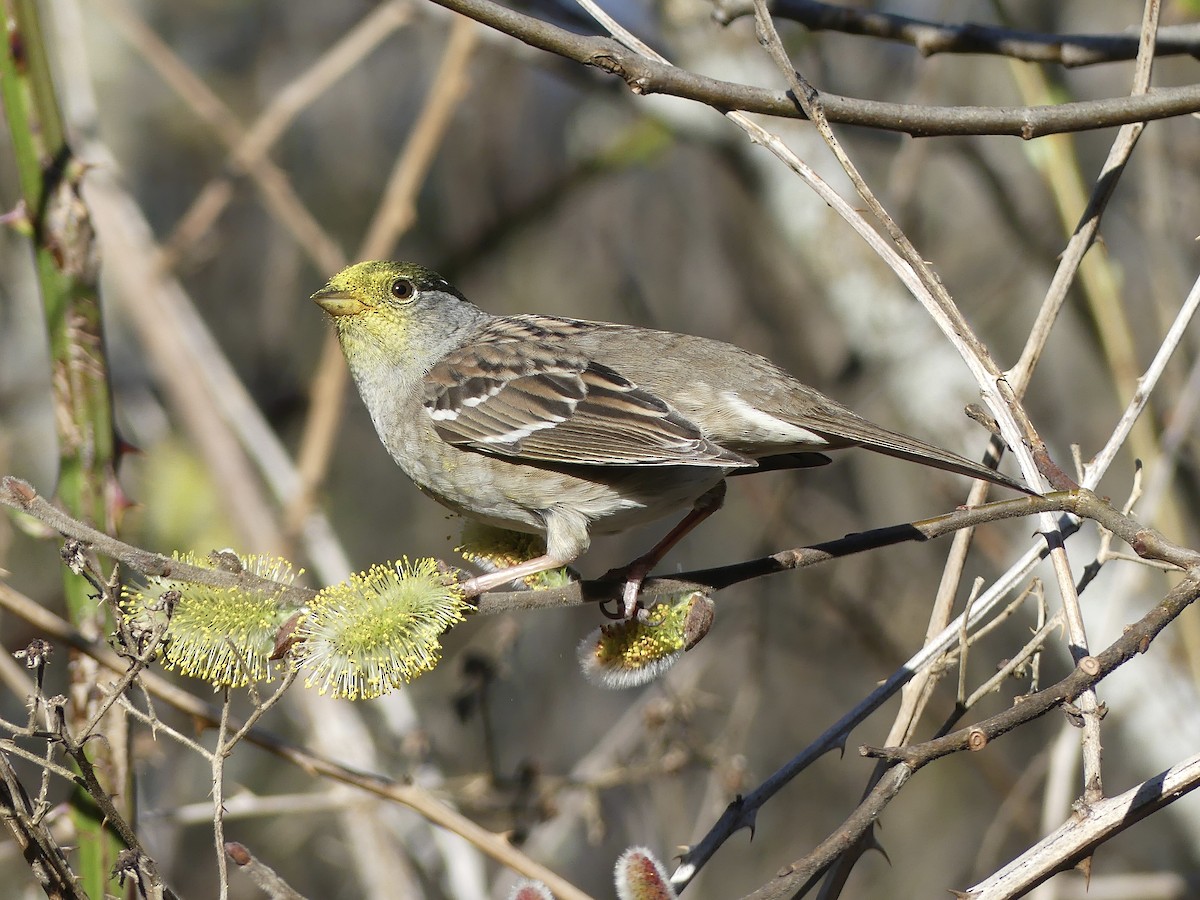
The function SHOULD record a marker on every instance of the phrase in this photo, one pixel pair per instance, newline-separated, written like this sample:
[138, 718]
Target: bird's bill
[338, 303]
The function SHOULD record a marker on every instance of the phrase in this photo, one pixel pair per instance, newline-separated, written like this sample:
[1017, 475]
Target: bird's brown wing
[518, 389]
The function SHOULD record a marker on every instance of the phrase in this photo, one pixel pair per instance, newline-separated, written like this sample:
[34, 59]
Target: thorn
[1085, 866]
[871, 842]
[750, 822]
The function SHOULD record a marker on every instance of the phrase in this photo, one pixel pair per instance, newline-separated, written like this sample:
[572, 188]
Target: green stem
[66, 265]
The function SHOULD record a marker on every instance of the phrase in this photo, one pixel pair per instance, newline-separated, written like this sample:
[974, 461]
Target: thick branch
[1078, 837]
[1146, 542]
[20, 495]
[647, 76]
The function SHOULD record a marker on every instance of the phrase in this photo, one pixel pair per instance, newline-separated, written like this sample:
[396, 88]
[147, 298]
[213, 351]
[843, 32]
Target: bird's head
[390, 308]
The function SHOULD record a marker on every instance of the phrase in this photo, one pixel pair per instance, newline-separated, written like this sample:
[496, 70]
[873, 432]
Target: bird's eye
[403, 289]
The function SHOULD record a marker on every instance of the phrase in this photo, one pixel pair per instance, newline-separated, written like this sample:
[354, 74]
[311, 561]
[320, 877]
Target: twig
[1099, 464]
[964, 643]
[49, 766]
[157, 726]
[48, 861]
[1032, 648]
[1086, 230]
[248, 805]
[19, 495]
[930, 37]
[219, 755]
[1035, 587]
[1088, 672]
[112, 818]
[264, 877]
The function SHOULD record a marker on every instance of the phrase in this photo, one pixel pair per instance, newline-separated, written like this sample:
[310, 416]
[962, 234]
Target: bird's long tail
[864, 433]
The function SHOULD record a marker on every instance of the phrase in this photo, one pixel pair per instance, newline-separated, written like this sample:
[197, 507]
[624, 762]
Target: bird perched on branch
[568, 428]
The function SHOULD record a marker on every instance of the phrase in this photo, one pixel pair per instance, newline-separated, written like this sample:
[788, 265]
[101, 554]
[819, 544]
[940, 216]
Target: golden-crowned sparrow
[566, 427]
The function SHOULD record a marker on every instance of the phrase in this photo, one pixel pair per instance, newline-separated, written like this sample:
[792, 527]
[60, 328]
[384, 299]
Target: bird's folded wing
[510, 392]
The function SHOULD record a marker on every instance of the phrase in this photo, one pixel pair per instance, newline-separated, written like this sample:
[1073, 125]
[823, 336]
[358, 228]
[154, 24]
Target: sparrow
[568, 428]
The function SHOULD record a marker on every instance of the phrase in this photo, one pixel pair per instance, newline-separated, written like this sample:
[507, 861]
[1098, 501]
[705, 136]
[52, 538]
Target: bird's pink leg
[481, 584]
[636, 572]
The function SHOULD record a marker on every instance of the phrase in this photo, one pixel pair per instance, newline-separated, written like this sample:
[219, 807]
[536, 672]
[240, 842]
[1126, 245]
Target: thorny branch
[1146, 543]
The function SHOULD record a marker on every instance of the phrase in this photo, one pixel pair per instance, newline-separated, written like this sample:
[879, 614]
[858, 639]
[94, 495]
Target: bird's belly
[517, 496]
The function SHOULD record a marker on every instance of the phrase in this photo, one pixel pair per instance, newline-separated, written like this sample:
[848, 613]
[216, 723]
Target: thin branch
[46, 858]
[1032, 647]
[217, 760]
[1087, 673]
[263, 876]
[1099, 464]
[930, 37]
[157, 726]
[1086, 230]
[1146, 542]
[18, 494]
[112, 818]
